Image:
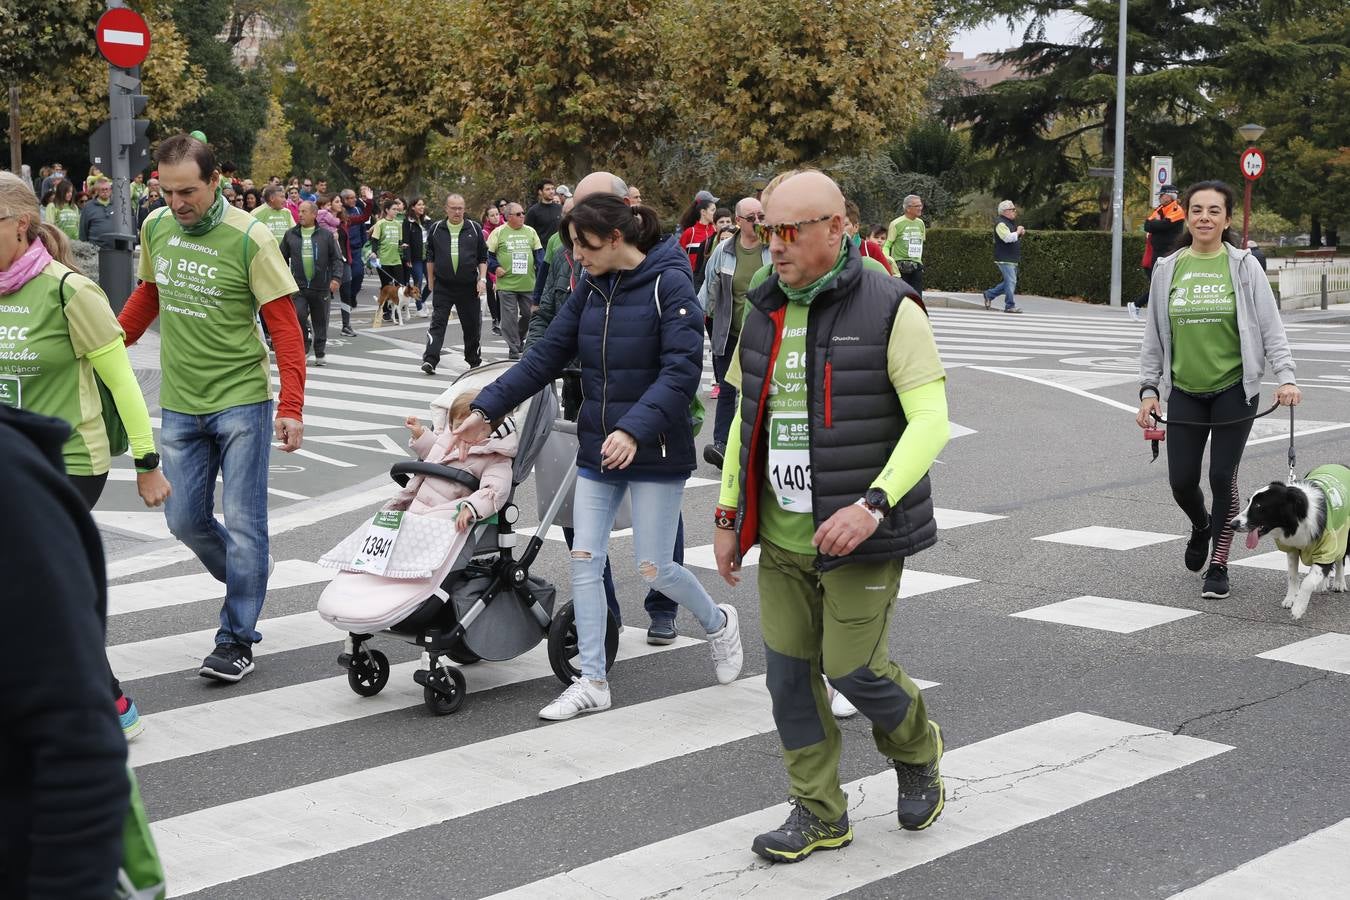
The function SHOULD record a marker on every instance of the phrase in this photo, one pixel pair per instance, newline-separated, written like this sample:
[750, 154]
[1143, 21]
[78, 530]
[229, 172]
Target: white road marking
[161, 592]
[335, 814]
[1314, 866]
[1106, 538]
[180, 652]
[1106, 614]
[1329, 652]
[995, 786]
[190, 730]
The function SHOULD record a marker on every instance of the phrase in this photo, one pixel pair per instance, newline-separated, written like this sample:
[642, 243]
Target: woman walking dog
[1212, 327]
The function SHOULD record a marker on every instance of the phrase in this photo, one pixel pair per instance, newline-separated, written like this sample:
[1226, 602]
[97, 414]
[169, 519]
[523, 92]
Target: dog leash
[1156, 435]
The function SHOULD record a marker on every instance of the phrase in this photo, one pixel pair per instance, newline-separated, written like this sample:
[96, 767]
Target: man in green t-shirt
[273, 213]
[904, 243]
[207, 271]
[514, 251]
[827, 470]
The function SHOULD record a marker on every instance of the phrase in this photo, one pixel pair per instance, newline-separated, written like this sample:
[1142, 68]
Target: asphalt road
[1132, 741]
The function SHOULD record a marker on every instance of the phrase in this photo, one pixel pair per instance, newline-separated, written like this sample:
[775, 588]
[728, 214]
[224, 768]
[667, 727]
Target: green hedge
[1070, 264]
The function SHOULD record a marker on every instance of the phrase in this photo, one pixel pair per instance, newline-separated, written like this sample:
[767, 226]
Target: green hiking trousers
[835, 622]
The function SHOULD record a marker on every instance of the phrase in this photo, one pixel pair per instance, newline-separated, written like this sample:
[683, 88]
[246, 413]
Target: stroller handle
[402, 472]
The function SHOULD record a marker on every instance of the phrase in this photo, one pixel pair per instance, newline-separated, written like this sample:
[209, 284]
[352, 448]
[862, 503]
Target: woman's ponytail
[57, 244]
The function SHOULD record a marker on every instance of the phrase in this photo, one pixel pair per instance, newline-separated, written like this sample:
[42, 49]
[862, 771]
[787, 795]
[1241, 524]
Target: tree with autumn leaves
[564, 86]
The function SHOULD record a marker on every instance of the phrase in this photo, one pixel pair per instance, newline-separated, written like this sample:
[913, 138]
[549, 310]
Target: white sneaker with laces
[581, 696]
[1133, 311]
[839, 704]
[725, 644]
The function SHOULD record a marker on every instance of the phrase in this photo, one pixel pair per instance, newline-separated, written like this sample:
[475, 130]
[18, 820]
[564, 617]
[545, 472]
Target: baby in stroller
[366, 599]
[490, 463]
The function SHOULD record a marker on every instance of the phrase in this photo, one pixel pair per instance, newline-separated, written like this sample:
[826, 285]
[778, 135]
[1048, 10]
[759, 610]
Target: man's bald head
[600, 183]
[813, 202]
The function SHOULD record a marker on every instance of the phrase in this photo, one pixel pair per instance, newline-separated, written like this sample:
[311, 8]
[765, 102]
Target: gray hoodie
[1260, 329]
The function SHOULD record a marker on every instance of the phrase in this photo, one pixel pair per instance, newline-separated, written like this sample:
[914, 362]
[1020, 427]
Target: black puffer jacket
[641, 363]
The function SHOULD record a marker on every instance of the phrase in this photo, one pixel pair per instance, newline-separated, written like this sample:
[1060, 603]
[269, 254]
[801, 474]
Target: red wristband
[724, 518]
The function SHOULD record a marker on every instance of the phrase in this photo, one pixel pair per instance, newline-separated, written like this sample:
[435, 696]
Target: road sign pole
[124, 41]
[1118, 188]
[1246, 211]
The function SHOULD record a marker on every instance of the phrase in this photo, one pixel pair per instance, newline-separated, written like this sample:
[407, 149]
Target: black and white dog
[1297, 515]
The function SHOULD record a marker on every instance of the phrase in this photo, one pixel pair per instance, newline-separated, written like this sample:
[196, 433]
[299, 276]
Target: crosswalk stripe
[1017, 343]
[1329, 652]
[995, 786]
[313, 384]
[1316, 865]
[361, 363]
[348, 811]
[419, 379]
[179, 652]
[366, 494]
[977, 314]
[189, 730]
[160, 592]
[376, 409]
[1124, 332]
[913, 583]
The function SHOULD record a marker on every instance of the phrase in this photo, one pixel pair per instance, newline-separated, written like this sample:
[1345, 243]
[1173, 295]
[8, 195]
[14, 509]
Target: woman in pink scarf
[59, 332]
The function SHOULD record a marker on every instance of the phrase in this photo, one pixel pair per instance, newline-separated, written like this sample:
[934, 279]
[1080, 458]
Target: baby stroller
[480, 603]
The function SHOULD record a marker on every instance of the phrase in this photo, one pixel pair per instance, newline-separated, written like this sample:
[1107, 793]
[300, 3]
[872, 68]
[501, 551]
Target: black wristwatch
[875, 498]
[147, 463]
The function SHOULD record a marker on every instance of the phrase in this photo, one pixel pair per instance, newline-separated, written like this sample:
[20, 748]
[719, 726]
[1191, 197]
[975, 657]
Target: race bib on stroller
[790, 461]
[415, 548]
[378, 546]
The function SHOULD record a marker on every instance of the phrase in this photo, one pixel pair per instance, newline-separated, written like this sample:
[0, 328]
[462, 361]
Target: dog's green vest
[1335, 484]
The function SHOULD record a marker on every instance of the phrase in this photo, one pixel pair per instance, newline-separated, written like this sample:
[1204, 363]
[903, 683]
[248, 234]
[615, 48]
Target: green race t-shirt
[389, 233]
[43, 368]
[748, 263]
[210, 289]
[514, 249]
[278, 221]
[787, 482]
[307, 252]
[1202, 313]
[66, 218]
[904, 239]
[454, 243]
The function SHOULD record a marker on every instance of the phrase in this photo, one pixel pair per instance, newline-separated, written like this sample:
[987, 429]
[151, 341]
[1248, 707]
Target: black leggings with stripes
[1186, 450]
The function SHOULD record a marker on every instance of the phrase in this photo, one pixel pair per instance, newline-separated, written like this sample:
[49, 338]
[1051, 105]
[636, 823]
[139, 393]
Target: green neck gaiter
[211, 218]
[804, 295]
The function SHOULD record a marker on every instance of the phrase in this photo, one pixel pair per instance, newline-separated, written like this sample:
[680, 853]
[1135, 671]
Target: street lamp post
[1251, 133]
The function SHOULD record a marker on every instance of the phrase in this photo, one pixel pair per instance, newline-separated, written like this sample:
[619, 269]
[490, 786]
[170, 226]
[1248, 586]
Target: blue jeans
[419, 278]
[353, 285]
[656, 515]
[660, 607]
[233, 443]
[1006, 287]
[726, 396]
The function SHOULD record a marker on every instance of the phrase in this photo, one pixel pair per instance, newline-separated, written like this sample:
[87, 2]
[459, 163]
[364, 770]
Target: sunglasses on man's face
[787, 231]
[753, 217]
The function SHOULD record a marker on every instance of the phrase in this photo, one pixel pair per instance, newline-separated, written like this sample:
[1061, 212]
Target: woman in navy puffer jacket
[636, 325]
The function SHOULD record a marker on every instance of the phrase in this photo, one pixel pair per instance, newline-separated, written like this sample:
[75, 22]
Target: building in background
[982, 69]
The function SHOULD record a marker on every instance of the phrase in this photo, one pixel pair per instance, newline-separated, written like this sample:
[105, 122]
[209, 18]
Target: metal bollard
[1324, 290]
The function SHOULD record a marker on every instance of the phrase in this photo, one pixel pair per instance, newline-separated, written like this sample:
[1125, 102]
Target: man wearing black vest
[457, 272]
[1007, 254]
[842, 412]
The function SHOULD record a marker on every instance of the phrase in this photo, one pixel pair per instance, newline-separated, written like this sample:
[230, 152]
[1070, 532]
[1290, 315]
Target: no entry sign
[1253, 163]
[123, 38]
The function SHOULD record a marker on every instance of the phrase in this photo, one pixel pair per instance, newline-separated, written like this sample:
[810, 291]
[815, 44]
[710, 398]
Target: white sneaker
[581, 696]
[1133, 311]
[839, 704]
[425, 311]
[725, 644]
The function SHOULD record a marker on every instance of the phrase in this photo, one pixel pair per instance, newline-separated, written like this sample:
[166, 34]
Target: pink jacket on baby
[490, 462]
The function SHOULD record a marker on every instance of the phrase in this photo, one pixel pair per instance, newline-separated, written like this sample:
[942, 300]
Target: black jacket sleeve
[62, 754]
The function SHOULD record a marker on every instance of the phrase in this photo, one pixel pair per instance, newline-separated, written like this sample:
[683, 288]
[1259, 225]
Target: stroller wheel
[444, 690]
[368, 672]
[562, 644]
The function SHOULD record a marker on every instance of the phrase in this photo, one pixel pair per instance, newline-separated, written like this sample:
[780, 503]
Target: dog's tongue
[1253, 538]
